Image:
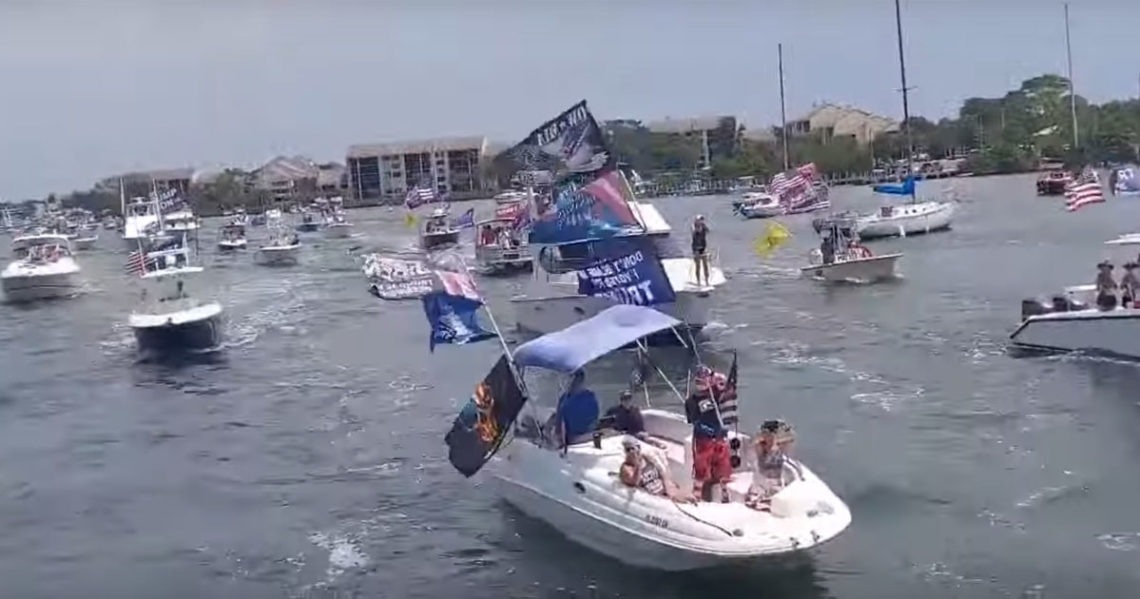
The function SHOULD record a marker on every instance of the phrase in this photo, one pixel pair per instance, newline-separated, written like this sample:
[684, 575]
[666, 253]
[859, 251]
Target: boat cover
[572, 348]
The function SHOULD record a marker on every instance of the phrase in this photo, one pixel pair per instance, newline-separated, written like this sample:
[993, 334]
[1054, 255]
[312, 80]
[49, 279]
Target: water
[307, 461]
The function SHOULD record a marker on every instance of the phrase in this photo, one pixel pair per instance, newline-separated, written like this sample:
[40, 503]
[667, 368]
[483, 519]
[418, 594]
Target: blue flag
[596, 210]
[467, 220]
[637, 278]
[453, 319]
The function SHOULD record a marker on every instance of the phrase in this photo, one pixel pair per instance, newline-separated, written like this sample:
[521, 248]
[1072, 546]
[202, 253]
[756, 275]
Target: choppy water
[307, 461]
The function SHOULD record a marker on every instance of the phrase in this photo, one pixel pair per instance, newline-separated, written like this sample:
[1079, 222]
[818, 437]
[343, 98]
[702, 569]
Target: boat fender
[734, 460]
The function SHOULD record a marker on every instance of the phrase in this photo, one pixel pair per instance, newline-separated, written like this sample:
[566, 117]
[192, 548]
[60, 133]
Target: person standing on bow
[712, 459]
[700, 248]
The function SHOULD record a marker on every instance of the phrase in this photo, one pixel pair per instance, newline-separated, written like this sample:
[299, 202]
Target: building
[386, 171]
[719, 135]
[830, 121]
[286, 178]
[163, 179]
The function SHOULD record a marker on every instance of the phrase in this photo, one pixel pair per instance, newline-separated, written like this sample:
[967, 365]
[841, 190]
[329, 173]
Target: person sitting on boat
[646, 472]
[772, 445]
[858, 250]
[712, 465]
[487, 236]
[1105, 286]
[1129, 285]
[626, 418]
[700, 244]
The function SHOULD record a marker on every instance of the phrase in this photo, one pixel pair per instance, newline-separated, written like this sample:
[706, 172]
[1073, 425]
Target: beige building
[832, 120]
[386, 171]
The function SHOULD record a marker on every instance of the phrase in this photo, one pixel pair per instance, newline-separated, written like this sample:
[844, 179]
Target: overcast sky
[92, 88]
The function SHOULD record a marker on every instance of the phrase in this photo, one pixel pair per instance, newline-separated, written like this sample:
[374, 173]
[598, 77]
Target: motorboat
[336, 221]
[1053, 182]
[500, 248]
[140, 222]
[574, 486]
[841, 258]
[82, 239]
[232, 237]
[43, 269]
[554, 303]
[511, 196]
[167, 318]
[437, 230]
[1070, 321]
[309, 222]
[283, 248]
[759, 204]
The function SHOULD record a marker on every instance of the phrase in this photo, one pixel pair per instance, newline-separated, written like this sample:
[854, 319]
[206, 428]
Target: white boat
[841, 258]
[140, 222]
[437, 230]
[232, 237]
[903, 220]
[555, 304]
[759, 204]
[43, 269]
[82, 239]
[337, 225]
[309, 222]
[283, 248]
[181, 222]
[511, 196]
[499, 248]
[577, 490]
[168, 319]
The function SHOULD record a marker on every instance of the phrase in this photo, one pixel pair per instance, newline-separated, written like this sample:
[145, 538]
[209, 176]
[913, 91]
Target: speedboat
[43, 269]
[499, 248]
[167, 318]
[232, 237]
[438, 230]
[841, 258]
[759, 204]
[281, 249]
[574, 486]
[555, 303]
[910, 218]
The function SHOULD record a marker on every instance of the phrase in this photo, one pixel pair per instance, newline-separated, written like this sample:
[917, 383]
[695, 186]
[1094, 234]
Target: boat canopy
[906, 188]
[574, 347]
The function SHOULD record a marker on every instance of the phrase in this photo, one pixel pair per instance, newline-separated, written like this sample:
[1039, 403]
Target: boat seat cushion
[579, 412]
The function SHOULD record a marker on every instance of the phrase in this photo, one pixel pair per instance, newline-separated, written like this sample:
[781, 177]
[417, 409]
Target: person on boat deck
[1129, 285]
[488, 235]
[827, 249]
[626, 417]
[700, 245]
[1105, 286]
[646, 472]
[575, 416]
[773, 445]
[712, 464]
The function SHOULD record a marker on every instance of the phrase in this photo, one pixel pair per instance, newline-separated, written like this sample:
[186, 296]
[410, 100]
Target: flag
[418, 196]
[484, 421]
[466, 221]
[775, 236]
[1084, 190]
[727, 398]
[453, 319]
[410, 220]
[136, 263]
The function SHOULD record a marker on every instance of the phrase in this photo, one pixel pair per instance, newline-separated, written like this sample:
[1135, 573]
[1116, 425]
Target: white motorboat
[759, 204]
[555, 304]
[337, 226]
[499, 248]
[841, 258]
[82, 239]
[903, 220]
[43, 269]
[232, 237]
[309, 222]
[167, 318]
[1070, 321]
[283, 248]
[140, 222]
[576, 489]
[181, 221]
[511, 196]
[438, 230]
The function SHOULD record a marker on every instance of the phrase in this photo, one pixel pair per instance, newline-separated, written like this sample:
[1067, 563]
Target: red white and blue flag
[418, 196]
[136, 263]
[1084, 190]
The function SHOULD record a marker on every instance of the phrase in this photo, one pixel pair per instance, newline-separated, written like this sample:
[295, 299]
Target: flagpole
[1072, 89]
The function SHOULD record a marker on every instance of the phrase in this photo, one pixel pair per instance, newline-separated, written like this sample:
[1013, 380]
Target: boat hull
[430, 241]
[277, 256]
[761, 211]
[542, 315]
[231, 246]
[857, 270]
[907, 220]
[308, 227]
[24, 288]
[83, 243]
[1111, 332]
[200, 334]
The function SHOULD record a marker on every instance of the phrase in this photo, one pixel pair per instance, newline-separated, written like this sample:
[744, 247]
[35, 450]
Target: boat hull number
[657, 521]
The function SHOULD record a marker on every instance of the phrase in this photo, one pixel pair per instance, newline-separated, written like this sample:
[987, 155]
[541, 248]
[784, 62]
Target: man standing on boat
[700, 248]
[712, 459]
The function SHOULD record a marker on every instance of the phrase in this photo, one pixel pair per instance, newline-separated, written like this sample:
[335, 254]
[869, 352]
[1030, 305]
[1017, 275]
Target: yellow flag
[410, 219]
[775, 236]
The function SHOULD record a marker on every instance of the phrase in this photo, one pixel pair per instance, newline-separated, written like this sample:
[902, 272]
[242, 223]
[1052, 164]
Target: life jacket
[650, 478]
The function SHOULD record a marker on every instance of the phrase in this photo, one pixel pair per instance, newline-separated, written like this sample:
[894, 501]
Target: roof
[287, 168]
[441, 144]
[759, 134]
[686, 125]
[846, 120]
[583, 342]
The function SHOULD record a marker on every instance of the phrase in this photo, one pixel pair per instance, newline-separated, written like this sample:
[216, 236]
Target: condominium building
[386, 171]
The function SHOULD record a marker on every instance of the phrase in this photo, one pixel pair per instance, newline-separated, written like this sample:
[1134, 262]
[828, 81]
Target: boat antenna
[1072, 91]
[905, 99]
[783, 111]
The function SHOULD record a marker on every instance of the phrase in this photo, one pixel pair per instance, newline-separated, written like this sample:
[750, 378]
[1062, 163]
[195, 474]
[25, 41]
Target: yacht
[554, 303]
[232, 237]
[43, 269]
[438, 230]
[500, 248]
[168, 319]
[848, 260]
[281, 249]
[574, 486]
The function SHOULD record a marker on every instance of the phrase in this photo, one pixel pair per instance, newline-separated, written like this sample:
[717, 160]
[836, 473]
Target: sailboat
[914, 217]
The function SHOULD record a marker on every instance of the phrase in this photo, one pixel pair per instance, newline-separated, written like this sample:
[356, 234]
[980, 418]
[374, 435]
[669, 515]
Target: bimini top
[572, 348]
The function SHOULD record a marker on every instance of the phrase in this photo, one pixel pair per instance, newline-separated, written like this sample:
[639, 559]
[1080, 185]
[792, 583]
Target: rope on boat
[702, 521]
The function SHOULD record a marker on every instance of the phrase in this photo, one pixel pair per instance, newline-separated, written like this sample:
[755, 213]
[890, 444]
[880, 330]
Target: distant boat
[43, 269]
[438, 230]
[848, 261]
[499, 248]
[232, 237]
[281, 249]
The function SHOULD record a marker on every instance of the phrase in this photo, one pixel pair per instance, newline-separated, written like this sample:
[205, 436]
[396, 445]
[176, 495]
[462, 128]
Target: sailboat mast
[783, 110]
[906, 102]
[1072, 91]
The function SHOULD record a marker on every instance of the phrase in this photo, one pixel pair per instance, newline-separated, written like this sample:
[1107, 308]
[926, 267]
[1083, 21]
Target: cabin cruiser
[500, 248]
[909, 218]
[555, 304]
[281, 249]
[232, 237]
[43, 269]
[167, 318]
[841, 258]
[758, 204]
[1071, 321]
[574, 485]
[438, 231]
[1053, 182]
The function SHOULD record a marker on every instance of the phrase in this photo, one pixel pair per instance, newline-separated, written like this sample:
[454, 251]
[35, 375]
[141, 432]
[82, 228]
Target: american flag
[136, 263]
[801, 191]
[418, 196]
[1084, 190]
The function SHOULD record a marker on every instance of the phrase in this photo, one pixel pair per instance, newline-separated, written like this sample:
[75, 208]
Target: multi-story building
[719, 135]
[286, 178]
[830, 121]
[386, 171]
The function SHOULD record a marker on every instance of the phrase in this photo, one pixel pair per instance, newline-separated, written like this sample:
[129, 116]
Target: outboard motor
[1034, 307]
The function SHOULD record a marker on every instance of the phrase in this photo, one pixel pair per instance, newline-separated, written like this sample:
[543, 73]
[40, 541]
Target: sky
[90, 89]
